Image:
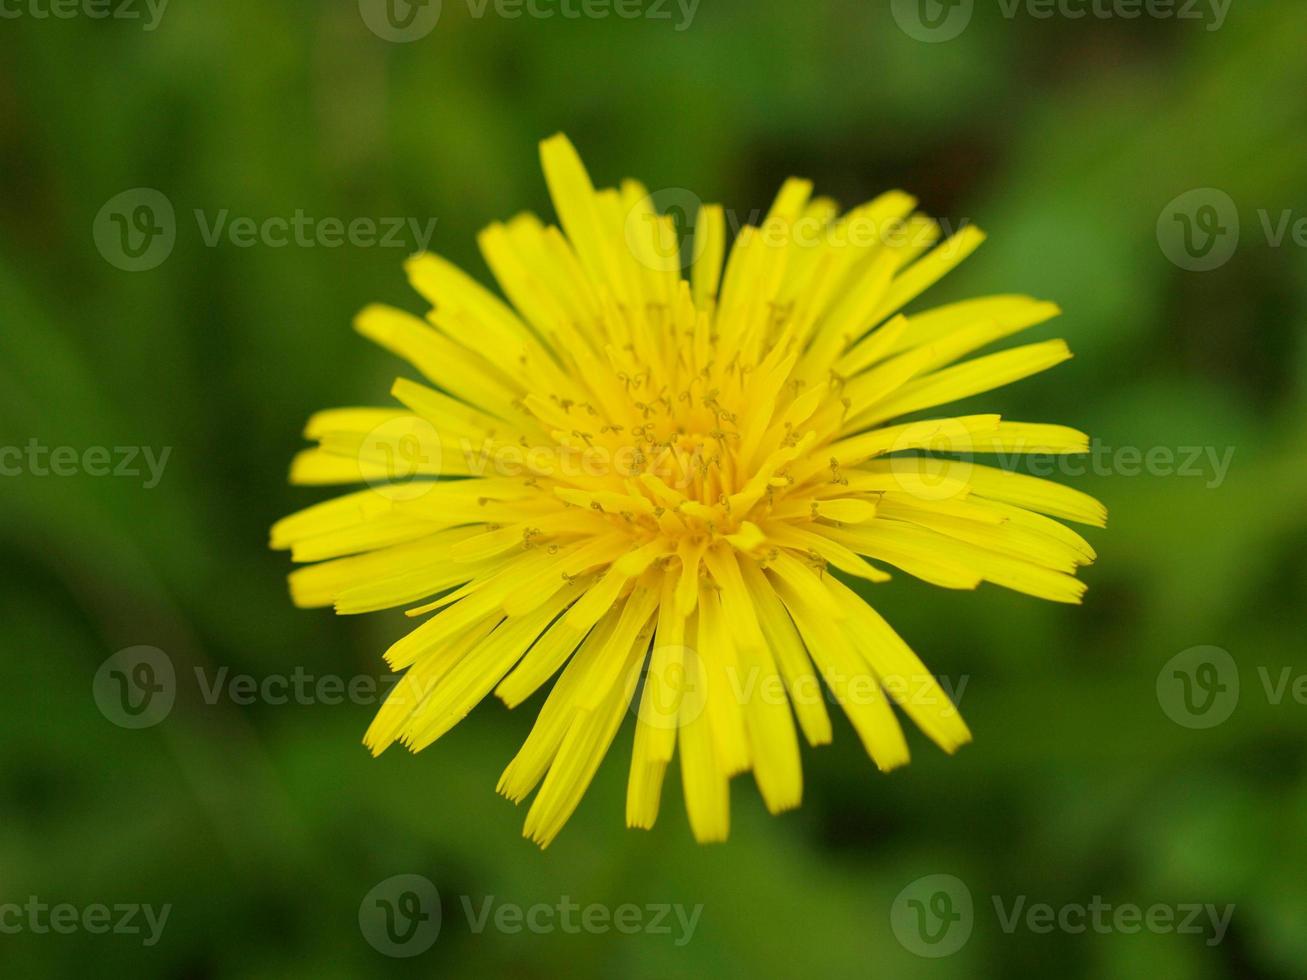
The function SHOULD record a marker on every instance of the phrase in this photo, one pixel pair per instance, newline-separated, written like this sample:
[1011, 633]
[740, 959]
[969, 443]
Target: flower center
[700, 465]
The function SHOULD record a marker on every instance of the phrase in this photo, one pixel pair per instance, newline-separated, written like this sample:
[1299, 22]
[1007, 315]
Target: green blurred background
[264, 826]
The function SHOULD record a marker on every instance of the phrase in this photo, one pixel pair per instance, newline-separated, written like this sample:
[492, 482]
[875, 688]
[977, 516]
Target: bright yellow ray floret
[656, 489]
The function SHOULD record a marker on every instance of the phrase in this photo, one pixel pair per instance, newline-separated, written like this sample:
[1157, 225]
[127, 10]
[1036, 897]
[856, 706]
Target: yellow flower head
[659, 488]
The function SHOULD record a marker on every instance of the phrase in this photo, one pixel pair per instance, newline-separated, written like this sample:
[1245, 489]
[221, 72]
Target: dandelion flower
[660, 489]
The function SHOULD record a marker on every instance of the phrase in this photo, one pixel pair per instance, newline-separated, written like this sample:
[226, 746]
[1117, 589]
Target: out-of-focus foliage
[265, 825]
